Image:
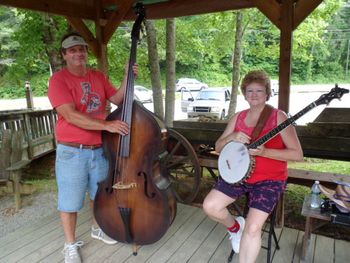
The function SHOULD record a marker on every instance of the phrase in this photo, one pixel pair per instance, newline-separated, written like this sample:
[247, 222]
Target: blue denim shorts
[263, 195]
[77, 171]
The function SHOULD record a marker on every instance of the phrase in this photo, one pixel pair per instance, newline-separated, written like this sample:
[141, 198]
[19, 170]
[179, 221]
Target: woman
[268, 180]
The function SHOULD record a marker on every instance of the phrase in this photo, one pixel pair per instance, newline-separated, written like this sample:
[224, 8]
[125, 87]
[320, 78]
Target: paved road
[300, 97]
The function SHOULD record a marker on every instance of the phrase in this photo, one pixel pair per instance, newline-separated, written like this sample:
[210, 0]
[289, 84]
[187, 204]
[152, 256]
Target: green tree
[8, 46]
[311, 55]
[236, 68]
[38, 36]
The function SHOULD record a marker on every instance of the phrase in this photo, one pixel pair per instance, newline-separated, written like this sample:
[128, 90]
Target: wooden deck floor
[193, 237]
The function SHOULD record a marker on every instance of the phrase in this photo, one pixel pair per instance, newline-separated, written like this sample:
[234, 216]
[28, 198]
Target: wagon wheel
[182, 167]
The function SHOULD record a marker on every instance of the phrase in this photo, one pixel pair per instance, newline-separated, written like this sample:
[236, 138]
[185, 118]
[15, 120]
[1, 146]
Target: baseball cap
[73, 41]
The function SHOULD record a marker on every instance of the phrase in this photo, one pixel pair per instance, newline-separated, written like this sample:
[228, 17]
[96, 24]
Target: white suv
[212, 103]
[143, 94]
[190, 84]
[274, 87]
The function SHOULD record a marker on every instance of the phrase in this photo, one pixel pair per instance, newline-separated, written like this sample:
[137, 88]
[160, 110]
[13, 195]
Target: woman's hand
[239, 137]
[259, 151]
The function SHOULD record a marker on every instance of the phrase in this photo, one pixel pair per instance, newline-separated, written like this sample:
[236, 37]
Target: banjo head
[234, 162]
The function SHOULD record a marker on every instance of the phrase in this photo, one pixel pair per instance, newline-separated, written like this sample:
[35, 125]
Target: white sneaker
[71, 252]
[236, 237]
[97, 233]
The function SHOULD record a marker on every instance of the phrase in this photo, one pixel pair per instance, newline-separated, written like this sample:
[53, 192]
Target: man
[79, 95]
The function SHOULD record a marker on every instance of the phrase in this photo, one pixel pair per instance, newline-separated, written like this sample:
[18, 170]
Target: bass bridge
[122, 186]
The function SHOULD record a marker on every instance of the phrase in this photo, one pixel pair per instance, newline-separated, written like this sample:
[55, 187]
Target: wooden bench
[13, 157]
[25, 135]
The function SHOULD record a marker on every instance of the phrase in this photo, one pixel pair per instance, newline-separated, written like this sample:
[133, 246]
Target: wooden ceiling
[108, 14]
[156, 9]
[89, 9]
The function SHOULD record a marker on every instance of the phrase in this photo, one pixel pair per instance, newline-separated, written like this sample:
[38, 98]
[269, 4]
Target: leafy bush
[11, 92]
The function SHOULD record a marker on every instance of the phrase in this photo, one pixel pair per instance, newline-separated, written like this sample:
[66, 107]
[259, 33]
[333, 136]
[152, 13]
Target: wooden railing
[38, 129]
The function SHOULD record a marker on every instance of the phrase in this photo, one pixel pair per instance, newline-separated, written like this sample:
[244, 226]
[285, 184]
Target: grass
[321, 165]
[43, 185]
[40, 173]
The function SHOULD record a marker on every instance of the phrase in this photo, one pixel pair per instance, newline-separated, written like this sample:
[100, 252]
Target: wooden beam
[174, 8]
[320, 176]
[62, 7]
[101, 44]
[79, 25]
[285, 54]
[124, 6]
[271, 9]
[302, 9]
[177, 8]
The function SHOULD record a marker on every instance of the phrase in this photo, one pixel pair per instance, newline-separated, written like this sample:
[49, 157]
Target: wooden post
[286, 27]
[287, 12]
[102, 56]
[16, 177]
[29, 95]
[347, 60]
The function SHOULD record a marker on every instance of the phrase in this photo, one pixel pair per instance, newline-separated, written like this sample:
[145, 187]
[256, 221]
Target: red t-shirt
[88, 93]
[265, 168]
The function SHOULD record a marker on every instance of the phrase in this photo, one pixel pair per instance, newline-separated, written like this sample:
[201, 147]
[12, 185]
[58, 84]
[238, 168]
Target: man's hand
[135, 69]
[117, 126]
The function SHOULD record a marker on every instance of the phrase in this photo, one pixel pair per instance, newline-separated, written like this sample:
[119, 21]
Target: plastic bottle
[315, 201]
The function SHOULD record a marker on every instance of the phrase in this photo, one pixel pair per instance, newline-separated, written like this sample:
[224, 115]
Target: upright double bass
[135, 204]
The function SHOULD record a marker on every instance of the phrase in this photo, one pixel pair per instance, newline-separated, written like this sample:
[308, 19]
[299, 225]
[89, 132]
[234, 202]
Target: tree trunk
[50, 38]
[155, 70]
[237, 53]
[170, 72]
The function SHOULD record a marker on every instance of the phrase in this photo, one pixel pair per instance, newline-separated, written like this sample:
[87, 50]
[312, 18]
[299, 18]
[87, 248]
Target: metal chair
[271, 234]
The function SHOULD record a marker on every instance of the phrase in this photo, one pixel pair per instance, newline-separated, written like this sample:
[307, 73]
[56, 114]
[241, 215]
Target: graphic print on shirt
[90, 99]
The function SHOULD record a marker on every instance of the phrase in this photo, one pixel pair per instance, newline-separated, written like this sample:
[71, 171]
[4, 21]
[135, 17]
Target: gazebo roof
[89, 9]
[157, 9]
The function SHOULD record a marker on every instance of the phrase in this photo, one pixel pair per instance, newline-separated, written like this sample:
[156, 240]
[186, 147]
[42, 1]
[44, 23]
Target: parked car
[187, 97]
[190, 84]
[211, 102]
[143, 94]
[274, 87]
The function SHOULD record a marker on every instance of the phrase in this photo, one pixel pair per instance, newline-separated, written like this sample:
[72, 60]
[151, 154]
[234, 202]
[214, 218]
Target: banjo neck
[235, 163]
[336, 92]
[280, 127]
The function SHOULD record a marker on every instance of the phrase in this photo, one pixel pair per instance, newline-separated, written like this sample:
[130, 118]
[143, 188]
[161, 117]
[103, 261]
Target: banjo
[236, 164]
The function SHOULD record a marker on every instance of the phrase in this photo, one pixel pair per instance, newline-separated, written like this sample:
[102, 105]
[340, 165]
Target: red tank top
[265, 168]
